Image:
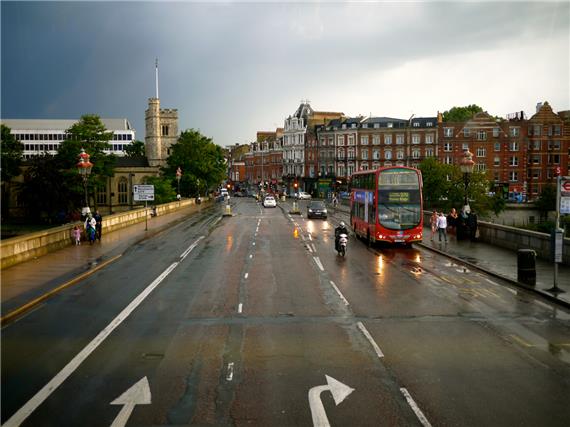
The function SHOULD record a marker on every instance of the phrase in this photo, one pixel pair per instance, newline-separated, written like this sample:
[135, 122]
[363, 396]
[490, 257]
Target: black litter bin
[526, 266]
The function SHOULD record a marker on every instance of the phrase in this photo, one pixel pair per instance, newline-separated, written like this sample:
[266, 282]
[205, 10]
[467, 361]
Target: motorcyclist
[341, 229]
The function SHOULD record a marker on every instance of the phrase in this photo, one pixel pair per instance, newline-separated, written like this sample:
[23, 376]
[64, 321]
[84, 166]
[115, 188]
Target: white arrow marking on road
[139, 394]
[339, 392]
[230, 375]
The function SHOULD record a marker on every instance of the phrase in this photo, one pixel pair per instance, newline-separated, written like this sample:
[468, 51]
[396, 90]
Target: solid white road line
[421, 417]
[492, 283]
[318, 262]
[344, 300]
[370, 339]
[24, 412]
[543, 305]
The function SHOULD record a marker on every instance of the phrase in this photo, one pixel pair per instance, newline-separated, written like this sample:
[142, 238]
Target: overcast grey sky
[234, 68]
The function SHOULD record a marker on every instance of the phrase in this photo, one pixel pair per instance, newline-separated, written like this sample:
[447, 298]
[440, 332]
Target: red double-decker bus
[386, 205]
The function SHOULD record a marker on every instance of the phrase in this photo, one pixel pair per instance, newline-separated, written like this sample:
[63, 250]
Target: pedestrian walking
[433, 224]
[76, 234]
[442, 226]
[90, 229]
[98, 224]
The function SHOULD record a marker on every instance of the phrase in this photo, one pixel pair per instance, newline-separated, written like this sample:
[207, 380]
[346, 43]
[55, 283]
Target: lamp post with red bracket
[84, 167]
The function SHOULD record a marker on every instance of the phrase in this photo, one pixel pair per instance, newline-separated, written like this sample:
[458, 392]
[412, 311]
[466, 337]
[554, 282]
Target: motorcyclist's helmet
[342, 224]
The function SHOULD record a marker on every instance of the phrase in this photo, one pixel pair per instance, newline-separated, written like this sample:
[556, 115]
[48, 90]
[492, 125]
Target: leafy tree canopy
[136, 149]
[201, 161]
[11, 155]
[547, 199]
[163, 191]
[461, 114]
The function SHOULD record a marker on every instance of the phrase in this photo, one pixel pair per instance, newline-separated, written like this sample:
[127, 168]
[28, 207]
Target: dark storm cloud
[232, 69]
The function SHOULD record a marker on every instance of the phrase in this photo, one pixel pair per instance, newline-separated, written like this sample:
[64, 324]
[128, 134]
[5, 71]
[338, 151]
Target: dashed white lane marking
[421, 417]
[309, 248]
[246, 275]
[230, 375]
[190, 248]
[24, 412]
[253, 243]
[251, 256]
[344, 300]
[370, 340]
[314, 248]
[310, 237]
[240, 307]
[318, 262]
[512, 291]
[492, 283]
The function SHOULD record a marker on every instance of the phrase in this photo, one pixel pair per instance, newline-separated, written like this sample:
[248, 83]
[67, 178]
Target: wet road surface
[254, 320]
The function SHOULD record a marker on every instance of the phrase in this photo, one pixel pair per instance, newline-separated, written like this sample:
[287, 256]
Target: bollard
[526, 266]
[295, 210]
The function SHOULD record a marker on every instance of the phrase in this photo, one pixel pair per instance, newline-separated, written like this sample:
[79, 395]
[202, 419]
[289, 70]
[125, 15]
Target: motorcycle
[342, 242]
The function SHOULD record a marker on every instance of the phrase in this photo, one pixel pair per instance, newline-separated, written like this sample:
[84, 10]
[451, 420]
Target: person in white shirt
[442, 226]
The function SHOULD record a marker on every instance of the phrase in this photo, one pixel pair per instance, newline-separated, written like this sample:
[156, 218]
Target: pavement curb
[516, 283]
[4, 320]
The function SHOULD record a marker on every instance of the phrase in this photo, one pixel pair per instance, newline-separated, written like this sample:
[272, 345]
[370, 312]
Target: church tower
[161, 126]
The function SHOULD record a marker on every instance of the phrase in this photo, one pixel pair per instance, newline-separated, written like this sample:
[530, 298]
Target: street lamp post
[84, 167]
[178, 176]
[466, 165]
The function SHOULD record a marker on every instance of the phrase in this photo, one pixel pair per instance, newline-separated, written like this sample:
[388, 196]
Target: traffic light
[295, 185]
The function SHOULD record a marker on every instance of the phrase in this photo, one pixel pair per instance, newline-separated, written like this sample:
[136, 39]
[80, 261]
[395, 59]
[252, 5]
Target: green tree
[201, 161]
[45, 191]
[90, 134]
[461, 114]
[136, 149]
[546, 200]
[163, 191]
[11, 155]
[11, 158]
[435, 184]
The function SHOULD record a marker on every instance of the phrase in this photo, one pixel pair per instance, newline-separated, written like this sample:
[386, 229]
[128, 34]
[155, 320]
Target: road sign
[565, 195]
[143, 193]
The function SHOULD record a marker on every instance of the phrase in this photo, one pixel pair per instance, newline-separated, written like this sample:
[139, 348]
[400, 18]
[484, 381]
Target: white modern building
[43, 136]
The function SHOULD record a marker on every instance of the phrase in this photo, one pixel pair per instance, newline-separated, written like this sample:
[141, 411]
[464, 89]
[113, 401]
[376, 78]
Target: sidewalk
[27, 281]
[497, 261]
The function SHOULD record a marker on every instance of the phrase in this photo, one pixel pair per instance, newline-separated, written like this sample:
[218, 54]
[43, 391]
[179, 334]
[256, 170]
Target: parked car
[303, 196]
[316, 209]
[269, 202]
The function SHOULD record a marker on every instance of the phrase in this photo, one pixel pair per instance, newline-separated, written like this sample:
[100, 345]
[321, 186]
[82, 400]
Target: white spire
[156, 76]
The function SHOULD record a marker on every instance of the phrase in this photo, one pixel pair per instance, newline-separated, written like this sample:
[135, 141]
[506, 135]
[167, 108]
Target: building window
[496, 161]
[495, 132]
[388, 154]
[497, 146]
[448, 132]
[164, 130]
[481, 135]
[481, 152]
[415, 139]
[514, 146]
[554, 159]
[123, 191]
[364, 154]
[513, 176]
[350, 140]
[465, 146]
[554, 145]
[364, 140]
[388, 139]
[429, 152]
[375, 139]
[514, 131]
[340, 153]
[536, 145]
[415, 154]
[351, 153]
[364, 166]
[514, 161]
[429, 138]
[447, 146]
[466, 132]
[400, 154]
[101, 194]
[400, 139]
[535, 174]
[416, 124]
[481, 167]
[557, 130]
[447, 160]
[376, 154]
[537, 130]
[340, 140]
